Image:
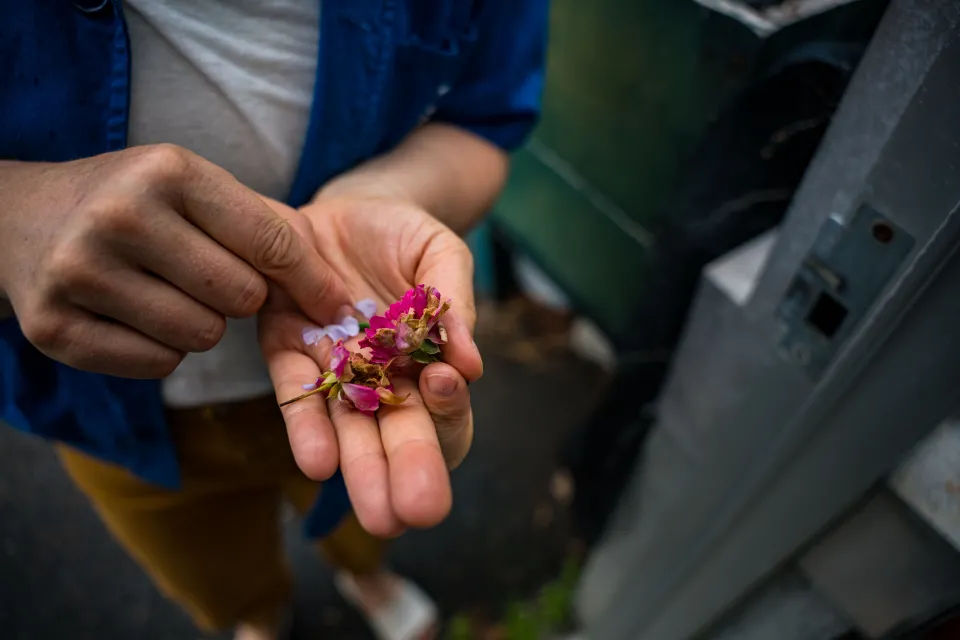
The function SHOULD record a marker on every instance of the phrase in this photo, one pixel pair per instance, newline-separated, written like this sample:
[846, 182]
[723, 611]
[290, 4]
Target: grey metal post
[790, 397]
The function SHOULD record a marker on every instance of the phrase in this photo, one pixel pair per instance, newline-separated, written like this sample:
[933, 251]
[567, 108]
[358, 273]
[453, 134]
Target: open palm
[395, 463]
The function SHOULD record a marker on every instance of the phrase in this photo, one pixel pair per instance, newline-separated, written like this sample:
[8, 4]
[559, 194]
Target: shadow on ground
[62, 577]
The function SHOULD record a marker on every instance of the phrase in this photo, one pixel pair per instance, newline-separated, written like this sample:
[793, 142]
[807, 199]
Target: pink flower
[361, 397]
[354, 380]
[413, 302]
[410, 327]
[339, 360]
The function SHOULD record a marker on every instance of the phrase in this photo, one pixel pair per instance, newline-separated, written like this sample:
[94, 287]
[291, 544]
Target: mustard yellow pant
[216, 545]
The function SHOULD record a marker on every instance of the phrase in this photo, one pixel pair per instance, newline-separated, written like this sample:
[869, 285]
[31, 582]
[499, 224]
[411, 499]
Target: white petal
[313, 335]
[351, 325]
[367, 306]
[337, 332]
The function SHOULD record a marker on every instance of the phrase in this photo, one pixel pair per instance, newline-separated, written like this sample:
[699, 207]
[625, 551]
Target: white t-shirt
[231, 80]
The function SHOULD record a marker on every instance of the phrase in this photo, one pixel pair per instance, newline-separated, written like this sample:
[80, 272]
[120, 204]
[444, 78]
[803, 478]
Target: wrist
[372, 185]
[445, 171]
[17, 181]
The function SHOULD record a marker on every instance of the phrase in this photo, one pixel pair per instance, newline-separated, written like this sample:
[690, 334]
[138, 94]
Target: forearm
[451, 173]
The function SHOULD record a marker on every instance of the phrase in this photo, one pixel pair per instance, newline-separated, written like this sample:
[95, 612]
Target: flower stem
[301, 396]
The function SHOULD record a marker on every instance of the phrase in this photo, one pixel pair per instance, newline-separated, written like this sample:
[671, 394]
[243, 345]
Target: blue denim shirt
[383, 65]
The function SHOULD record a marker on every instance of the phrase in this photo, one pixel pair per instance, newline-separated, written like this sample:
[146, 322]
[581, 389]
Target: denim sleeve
[498, 94]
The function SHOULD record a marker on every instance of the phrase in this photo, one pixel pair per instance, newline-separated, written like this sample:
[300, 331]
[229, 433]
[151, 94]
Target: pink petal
[383, 355]
[419, 300]
[380, 353]
[380, 322]
[438, 334]
[404, 337]
[361, 397]
[415, 299]
[339, 357]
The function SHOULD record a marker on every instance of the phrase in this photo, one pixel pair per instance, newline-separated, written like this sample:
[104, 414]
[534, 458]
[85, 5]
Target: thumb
[293, 262]
[447, 264]
[447, 398]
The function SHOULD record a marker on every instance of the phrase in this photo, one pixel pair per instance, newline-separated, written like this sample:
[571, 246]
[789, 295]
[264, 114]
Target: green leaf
[423, 358]
[364, 326]
[429, 346]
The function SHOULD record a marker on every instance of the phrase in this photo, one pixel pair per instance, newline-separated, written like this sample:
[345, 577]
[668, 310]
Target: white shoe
[409, 614]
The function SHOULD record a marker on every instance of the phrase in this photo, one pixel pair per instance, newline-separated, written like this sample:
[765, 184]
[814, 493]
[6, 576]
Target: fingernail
[346, 311]
[479, 357]
[441, 385]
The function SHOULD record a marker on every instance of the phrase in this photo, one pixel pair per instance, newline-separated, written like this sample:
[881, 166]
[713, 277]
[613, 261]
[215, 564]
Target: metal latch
[837, 283]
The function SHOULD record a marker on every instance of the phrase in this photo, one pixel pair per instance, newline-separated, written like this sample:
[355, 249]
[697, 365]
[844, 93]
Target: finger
[86, 342]
[461, 351]
[153, 308]
[419, 481]
[187, 258]
[364, 467]
[447, 398]
[309, 429]
[238, 219]
[447, 264]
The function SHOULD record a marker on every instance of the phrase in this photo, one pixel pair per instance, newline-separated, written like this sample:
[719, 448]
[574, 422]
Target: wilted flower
[352, 379]
[410, 327]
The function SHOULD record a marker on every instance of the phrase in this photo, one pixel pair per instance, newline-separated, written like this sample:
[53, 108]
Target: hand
[123, 262]
[395, 465]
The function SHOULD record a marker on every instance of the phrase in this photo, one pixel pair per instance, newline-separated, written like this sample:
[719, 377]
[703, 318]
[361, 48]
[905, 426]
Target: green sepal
[424, 358]
[430, 347]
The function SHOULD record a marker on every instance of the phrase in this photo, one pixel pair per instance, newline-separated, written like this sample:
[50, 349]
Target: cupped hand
[395, 464]
[124, 262]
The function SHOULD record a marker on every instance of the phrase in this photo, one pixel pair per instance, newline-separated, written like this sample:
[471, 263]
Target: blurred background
[718, 332]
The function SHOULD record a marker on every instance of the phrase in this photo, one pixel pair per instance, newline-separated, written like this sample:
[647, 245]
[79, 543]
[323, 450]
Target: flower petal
[368, 307]
[361, 397]
[380, 322]
[438, 334]
[414, 300]
[383, 355]
[351, 325]
[337, 332]
[313, 335]
[387, 396]
[339, 358]
[404, 337]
